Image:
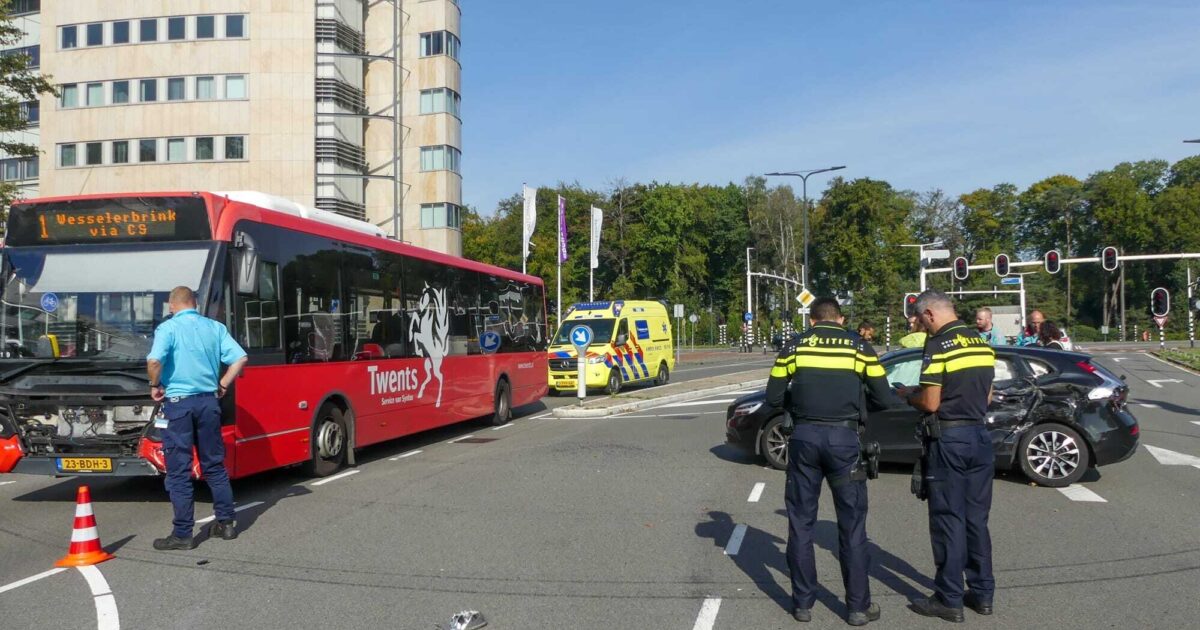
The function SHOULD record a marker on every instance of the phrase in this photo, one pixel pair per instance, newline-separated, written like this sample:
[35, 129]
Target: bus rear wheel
[502, 412]
[329, 440]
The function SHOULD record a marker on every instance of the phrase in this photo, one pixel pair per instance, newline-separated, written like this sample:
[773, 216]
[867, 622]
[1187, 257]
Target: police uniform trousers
[961, 467]
[195, 421]
[818, 452]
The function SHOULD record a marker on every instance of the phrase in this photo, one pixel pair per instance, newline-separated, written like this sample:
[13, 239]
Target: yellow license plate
[566, 384]
[85, 464]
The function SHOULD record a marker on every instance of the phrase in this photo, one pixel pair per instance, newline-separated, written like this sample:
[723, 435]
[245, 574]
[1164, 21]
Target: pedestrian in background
[916, 335]
[983, 324]
[866, 330]
[1050, 337]
[1031, 331]
[956, 385]
[825, 369]
[184, 369]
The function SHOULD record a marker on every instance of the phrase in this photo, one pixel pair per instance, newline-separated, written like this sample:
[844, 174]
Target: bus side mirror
[245, 267]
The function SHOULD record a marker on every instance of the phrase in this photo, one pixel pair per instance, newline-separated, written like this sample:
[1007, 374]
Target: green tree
[1052, 212]
[18, 85]
[990, 219]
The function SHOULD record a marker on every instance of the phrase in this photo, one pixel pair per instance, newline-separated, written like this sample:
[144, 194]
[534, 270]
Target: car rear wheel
[614, 383]
[1053, 455]
[773, 443]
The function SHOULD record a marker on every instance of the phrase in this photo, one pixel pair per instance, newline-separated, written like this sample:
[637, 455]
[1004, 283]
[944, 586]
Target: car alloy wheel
[1054, 455]
[774, 445]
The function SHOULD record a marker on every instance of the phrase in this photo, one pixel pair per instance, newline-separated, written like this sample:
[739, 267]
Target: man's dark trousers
[826, 452]
[961, 467]
[195, 421]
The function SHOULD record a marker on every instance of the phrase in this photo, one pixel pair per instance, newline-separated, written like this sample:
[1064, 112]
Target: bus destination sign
[115, 220]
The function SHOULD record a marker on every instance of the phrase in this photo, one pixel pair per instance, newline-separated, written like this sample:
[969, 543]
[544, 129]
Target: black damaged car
[1053, 415]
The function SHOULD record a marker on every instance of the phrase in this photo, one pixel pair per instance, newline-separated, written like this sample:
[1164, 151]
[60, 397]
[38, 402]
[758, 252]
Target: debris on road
[466, 620]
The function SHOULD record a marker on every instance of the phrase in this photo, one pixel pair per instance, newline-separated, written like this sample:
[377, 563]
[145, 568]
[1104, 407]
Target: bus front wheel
[329, 438]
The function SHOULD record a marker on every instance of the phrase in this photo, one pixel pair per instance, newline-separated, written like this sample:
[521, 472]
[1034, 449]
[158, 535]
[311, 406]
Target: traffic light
[1001, 265]
[1053, 261]
[1108, 259]
[910, 305]
[1160, 302]
[961, 268]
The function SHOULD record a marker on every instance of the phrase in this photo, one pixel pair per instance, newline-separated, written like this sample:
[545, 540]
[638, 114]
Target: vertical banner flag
[562, 229]
[597, 221]
[529, 217]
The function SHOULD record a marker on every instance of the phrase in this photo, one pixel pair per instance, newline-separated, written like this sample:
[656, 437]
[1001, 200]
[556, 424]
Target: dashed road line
[209, 519]
[1149, 405]
[106, 605]
[336, 477]
[1082, 494]
[756, 493]
[708, 614]
[698, 403]
[541, 415]
[403, 455]
[503, 426]
[459, 439]
[1196, 422]
[5, 483]
[29, 580]
[735, 541]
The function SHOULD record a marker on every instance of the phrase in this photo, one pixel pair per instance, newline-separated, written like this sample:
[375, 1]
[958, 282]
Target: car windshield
[90, 301]
[602, 330]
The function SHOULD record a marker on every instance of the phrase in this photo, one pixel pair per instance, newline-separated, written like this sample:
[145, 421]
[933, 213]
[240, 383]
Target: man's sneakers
[864, 617]
[933, 607]
[174, 543]
[225, 530]
[980, 605]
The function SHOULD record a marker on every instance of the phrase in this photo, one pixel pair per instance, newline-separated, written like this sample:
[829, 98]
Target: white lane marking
[1120, 359]
[708, 614]
[209, 519]
[503, 426]
[756, 493]
[542, 415]
[106, 605]
[1149, 405]
[1196, 422]
[5, 483]
[403, 455]
[735, 541]
[459, 439]
[1079, 493]
[745, 391]
[698, 403]
[1171, 458]
[1156, 382]
[30, 580]
[336, 477]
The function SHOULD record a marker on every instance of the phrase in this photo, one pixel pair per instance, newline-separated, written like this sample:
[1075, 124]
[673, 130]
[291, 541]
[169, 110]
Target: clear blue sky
[951, 95]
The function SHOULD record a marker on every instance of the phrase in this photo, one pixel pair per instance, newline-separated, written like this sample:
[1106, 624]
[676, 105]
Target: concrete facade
[296, 98]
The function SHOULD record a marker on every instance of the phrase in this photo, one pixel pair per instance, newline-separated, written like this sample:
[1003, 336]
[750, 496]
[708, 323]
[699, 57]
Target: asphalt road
[646, 520]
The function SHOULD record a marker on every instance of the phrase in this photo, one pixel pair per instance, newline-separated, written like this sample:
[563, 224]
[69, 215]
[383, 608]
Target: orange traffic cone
[85, 540]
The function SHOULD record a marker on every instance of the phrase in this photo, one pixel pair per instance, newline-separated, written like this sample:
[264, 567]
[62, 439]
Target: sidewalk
[642, 397]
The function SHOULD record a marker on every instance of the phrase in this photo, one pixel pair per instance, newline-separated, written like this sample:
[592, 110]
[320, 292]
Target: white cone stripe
[85, 534]
[84, 509]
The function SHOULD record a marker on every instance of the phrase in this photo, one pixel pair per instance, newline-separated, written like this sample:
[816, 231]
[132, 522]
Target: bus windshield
[91, 302]
[602, 331]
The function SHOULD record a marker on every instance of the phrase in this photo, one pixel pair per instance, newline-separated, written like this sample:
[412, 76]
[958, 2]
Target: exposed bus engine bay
[49, 428]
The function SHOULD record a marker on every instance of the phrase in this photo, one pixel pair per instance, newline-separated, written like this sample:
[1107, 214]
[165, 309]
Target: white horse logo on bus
[429, 329]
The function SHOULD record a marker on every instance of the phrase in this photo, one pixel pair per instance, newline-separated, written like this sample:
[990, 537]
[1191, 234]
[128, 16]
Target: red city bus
[353, 338]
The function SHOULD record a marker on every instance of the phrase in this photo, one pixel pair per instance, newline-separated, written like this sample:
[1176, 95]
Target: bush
[1081, 332]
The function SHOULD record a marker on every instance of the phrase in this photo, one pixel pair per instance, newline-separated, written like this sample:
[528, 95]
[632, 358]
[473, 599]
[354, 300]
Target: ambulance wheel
[329, 438]
[503, 405]
[664, 374]
[614, 383]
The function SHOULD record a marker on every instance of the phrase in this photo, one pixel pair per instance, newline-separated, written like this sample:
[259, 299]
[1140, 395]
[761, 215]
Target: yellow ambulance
[632, 342]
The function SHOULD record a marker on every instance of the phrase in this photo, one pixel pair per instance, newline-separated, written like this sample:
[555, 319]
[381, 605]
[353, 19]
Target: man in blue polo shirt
[184, 366]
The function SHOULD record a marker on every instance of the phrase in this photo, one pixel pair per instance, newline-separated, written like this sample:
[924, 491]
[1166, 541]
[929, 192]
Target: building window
[235, 147]
[204, 148]
[95, 34]
[235, 86]
[17, 7]
[176, 149]
[148, 30]
[69, 37]
[31, 112]
[120, 92]
[148, 150]
[206, 27]
[439, 43]
[149, 90]
[235, 26]
[176, 89]
[69, 96]
[34, 53]
[95, 153]
[120, 32]
[440, 158]
[66, 155]
[11, 169]
[205, 88]
[120, 152]
[441, 215]
[176, 28]
[95, 94]
[440, 100]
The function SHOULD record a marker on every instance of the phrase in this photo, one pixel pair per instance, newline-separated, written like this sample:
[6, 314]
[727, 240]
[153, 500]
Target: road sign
[693, 318]
[1161, 320]
[49, 302]
[581, 337]
[489, 342]
[1104, 330]
[748, 317]
[937, 254]
[805, 298]
[1016, 280]
[678, 311]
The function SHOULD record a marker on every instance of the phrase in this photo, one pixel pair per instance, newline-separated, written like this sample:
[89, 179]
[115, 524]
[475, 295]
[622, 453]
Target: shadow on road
[733, 454]
[1172, 407]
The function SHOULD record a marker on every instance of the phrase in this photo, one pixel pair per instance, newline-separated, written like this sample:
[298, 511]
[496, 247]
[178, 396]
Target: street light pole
[804, 175]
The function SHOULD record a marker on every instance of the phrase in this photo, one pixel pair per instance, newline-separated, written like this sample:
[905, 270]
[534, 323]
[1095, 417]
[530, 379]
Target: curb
[1183, 366]
[635, 405]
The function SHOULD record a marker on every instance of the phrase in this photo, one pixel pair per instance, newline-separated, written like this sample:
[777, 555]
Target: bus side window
[258, 314]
